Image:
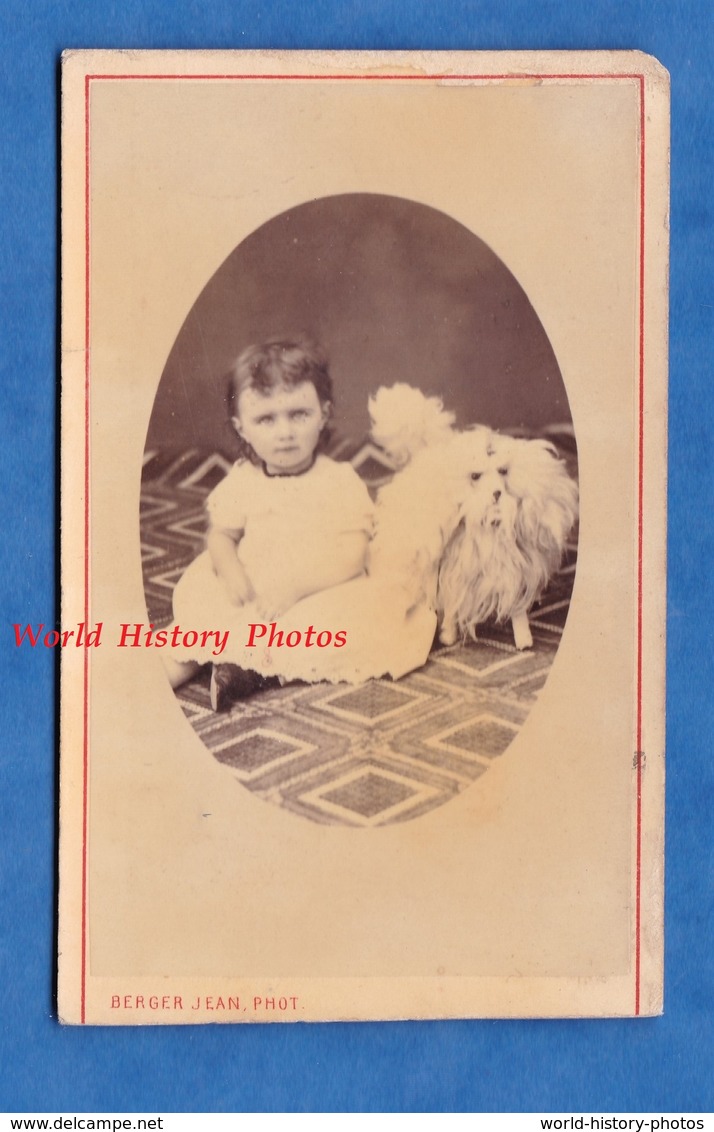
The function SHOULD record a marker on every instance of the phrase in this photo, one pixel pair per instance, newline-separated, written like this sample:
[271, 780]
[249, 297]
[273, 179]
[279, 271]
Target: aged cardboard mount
[481, 836]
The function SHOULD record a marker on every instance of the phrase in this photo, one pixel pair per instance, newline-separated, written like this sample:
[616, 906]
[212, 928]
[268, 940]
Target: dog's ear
[548, 498]
[405, 421]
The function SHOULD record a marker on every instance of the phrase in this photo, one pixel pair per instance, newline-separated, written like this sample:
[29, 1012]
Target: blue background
[641, 1065]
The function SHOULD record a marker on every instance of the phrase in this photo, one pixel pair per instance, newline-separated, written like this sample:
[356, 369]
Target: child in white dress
[285, 524]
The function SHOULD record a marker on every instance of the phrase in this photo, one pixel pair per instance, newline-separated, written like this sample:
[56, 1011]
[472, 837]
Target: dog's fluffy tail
[405, 420]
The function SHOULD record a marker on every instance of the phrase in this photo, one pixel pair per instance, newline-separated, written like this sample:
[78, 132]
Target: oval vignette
[394, 291]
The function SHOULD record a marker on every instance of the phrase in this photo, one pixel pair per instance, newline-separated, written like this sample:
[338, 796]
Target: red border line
[641, 389]
[640, 552]
[85, 744]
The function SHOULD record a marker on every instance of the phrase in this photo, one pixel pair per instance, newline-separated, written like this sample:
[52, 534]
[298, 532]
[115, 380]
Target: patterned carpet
[379, 753]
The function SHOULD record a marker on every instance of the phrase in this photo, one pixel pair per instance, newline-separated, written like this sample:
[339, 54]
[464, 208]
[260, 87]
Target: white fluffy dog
[475, 522]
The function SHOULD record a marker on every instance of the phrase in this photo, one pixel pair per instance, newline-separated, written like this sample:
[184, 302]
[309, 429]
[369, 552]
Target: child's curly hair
[275, 363]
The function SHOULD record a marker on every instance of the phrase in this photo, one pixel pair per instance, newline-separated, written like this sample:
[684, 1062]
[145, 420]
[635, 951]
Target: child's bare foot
[179, 671]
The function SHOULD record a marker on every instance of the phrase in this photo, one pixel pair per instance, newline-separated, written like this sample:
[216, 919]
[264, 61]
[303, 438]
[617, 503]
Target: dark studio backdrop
[394, 291]
[599, 1066]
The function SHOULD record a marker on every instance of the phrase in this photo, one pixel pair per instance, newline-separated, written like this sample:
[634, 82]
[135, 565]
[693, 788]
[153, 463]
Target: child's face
[282, 426]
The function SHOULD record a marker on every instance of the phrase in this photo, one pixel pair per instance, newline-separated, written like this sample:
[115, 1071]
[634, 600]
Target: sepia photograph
[394, 551]
[365, 358]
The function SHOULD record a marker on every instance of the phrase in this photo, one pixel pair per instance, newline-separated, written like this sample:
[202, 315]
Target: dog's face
[476, 522]
[483, 460]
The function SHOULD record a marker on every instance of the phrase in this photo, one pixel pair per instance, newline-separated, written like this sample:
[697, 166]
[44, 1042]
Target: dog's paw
[448, 635]
[521, 631]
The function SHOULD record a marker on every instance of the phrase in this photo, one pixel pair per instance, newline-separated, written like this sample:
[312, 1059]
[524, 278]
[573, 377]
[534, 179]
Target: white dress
[289, 524]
